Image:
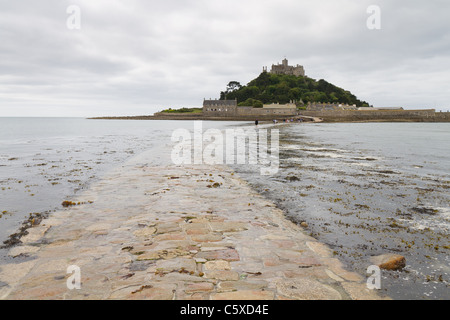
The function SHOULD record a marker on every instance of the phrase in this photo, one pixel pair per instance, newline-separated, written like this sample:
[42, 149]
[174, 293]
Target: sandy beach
[175, 233]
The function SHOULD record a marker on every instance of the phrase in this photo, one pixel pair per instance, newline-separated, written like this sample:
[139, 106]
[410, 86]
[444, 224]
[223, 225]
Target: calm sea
[364, 189]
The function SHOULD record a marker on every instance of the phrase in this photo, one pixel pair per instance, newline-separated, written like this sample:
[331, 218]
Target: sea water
[367, 189]
[45, 161]
[363, 188]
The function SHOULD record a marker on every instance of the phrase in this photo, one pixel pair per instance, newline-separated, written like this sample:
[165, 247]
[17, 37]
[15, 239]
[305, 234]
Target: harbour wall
[427, 115]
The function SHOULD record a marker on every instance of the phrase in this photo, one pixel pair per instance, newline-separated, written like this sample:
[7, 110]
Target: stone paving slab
[163, 233]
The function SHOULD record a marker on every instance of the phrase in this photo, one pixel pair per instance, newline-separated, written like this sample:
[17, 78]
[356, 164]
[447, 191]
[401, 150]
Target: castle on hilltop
[285, 68]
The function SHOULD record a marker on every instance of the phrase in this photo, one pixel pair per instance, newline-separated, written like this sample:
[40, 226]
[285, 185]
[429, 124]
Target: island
[285, 92]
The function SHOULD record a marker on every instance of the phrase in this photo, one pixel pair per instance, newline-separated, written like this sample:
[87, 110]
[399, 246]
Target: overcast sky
[135, 57]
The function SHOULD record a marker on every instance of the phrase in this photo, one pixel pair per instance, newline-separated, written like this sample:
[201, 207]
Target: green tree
[233, 86]
[273, 88]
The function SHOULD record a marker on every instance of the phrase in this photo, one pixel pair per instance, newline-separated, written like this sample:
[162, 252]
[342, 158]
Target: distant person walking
[256, 122]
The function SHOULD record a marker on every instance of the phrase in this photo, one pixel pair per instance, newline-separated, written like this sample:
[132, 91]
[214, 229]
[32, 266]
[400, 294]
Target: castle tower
[285, 68]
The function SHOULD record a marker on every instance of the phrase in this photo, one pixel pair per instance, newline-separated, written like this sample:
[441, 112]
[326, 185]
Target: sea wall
[250, 111]
[442, 116]
[427, 115]
[244, 116]
[252, 114]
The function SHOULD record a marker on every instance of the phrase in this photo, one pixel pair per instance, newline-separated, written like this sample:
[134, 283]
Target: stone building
[229, 108]
[285, 68]
[220, 107]
[383, 108]
[327, 106]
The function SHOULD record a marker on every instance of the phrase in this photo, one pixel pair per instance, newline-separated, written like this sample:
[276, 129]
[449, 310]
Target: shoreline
[208, 246]
[307, 116]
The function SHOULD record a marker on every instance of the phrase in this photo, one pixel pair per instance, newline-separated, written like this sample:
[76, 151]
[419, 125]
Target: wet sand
[175, 233]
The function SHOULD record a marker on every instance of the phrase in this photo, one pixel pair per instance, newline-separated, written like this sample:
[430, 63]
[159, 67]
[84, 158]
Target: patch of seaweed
[33, 220]
[424, 210]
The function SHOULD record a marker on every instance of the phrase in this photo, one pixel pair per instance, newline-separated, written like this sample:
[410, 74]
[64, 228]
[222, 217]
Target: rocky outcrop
[389, 261]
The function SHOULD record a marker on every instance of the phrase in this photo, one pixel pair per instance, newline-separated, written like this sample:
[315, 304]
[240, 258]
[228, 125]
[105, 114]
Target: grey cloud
[135, 57]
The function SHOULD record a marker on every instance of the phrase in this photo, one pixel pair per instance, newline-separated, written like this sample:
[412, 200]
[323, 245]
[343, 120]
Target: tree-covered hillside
[273, 88]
